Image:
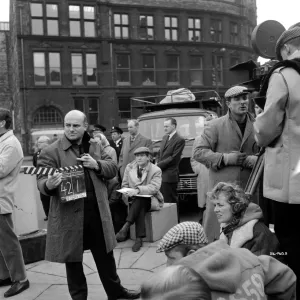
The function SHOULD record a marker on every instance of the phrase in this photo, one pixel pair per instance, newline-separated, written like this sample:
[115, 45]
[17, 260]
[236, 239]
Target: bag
[179, 95]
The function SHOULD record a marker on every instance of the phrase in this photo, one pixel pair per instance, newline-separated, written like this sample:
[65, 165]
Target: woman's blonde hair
[176, 283]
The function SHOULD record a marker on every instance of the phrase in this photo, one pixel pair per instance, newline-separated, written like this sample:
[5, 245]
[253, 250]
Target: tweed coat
[149, 184]
[65, 225]
[127, 152]
[169, 157]
[223, 135]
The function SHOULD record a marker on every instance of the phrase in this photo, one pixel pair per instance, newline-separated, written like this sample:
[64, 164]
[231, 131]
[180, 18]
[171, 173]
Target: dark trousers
[93, 239]
[169, 191]
[11, 257]
[46, 203]
[137, 212]
[119, 214]
[286, 225]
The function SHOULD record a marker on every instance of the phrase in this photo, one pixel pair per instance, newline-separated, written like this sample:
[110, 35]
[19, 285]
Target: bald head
[43, 141]
[79, 115]
[75, 125]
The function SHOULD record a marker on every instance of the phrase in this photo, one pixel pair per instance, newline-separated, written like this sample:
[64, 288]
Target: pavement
[48, 280]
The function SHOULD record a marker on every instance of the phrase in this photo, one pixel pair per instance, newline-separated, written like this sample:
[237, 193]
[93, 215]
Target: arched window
[47, 115]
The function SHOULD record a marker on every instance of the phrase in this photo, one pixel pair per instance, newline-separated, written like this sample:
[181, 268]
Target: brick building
[94, 55]
[5, 95]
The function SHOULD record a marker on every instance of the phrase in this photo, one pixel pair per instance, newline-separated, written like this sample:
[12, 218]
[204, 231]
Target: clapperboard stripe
[47, 171]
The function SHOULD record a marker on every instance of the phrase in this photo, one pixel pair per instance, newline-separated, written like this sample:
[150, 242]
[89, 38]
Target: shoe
[4, 282]
[127, 294]
[137, 245]
[122, 236]
[17, 288]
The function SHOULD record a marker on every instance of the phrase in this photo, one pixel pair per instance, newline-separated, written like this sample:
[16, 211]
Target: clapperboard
[72, 186]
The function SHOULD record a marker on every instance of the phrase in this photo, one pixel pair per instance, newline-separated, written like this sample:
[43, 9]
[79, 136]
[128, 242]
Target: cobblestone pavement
[48, 280]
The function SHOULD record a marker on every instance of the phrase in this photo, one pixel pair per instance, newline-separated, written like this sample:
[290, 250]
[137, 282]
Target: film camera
[263, 38]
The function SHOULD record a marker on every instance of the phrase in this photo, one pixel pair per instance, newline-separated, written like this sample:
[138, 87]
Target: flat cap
[99, 127]
[236, 91]
[141, 150]
[286, 36]
[116, 129]
[185, 233]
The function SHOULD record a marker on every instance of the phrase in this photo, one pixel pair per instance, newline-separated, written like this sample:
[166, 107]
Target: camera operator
[278, 129]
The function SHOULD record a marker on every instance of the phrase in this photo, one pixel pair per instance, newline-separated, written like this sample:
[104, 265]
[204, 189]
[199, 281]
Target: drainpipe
[111, 58]
[24, 93]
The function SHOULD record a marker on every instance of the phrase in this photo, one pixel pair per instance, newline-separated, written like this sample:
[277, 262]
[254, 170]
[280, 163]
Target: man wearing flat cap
[278, 130]
[227, 148]
[117, 140]
[142, 178]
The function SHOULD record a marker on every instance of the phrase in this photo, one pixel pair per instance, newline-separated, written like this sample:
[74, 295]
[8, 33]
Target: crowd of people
[233, 254]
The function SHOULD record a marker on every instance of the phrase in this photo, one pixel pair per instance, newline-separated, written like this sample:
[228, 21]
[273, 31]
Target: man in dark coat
[171, 149]
[85, 223]
[117, 140]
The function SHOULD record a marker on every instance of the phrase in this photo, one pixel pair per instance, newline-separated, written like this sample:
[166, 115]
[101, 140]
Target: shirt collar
[171, 134]
[118, 141]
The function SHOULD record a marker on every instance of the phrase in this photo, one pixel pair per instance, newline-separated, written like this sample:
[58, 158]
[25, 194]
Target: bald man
[42, 142]
[84, 223]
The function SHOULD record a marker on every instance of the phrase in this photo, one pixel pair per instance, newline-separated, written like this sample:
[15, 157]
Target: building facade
[94, 55]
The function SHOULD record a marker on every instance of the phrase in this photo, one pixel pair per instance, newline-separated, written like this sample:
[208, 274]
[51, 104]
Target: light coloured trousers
[11, 256]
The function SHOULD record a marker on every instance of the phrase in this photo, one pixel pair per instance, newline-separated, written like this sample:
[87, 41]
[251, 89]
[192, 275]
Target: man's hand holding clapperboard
[72, 183]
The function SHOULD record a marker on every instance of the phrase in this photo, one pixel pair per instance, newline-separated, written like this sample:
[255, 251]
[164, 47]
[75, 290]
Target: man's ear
[228, 103]
[2, 123]
[190, 252]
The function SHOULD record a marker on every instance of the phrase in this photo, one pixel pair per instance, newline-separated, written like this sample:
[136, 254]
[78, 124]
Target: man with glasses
[227, 147]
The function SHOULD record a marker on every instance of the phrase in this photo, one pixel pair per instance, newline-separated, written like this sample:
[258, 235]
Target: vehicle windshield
[187, 126]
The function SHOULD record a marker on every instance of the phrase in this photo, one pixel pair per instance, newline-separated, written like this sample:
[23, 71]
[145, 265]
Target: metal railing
[4, 26]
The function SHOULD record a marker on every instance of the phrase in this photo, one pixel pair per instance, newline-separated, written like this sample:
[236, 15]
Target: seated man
[229, 272]
[143, 178]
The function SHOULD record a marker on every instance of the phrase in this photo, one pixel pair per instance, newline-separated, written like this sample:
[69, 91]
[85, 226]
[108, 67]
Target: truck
[191, 117]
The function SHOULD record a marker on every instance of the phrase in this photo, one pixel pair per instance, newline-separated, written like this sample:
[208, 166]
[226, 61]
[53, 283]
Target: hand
[133, 192]
[89, 162]
[234, 158]
[250, 161]
[54, 180]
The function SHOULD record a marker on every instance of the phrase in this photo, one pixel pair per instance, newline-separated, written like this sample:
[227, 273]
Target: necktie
[139, 173]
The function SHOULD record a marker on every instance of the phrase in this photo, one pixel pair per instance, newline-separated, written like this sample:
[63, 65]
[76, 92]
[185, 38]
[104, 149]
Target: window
[196, 70]
[52, 19]
[37, 19]
[194, 29]
[37, 23]
[39, 68]
[171, 28]
[47, 115]
[54, 69]
[47, 69]
[172, 70]
[123, 69]
[121, 23]
[82, 20]
[148, 69]
[146, 30]
[90, 106]
[217, 69]
[124, 107]
[216, 31]
[84, 69]
[91, 69]
[77, 69]
[234, 33]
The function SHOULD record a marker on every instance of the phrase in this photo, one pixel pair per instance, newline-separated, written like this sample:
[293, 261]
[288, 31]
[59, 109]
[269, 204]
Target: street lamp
[215, 68]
